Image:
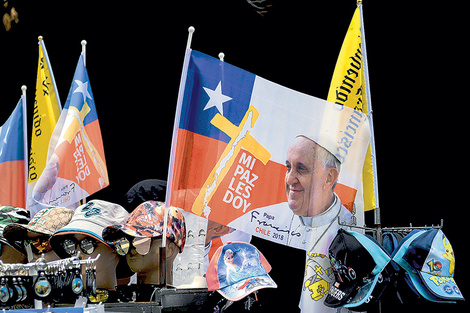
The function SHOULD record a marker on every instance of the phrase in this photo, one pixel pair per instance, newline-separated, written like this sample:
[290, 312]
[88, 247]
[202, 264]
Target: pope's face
[305, 178]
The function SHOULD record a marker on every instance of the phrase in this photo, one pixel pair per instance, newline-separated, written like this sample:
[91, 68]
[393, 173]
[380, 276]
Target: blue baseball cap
[428, 258]
[357, 262]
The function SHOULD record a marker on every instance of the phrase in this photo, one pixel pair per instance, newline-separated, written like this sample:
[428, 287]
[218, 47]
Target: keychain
[88, 279]
[24, 291]
[77, 283]
[42, 286]
[18, 290]
[93, 273]
[91, 280]
[4, 292]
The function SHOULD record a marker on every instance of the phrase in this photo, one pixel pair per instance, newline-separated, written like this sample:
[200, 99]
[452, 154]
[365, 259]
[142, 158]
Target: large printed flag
[232, 132]
[348, 88]
[13, 158]
[76, 166]
[46, 112]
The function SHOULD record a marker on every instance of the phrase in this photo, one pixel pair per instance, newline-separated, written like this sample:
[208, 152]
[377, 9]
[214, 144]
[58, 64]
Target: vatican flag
[46, 112]
[349, 88]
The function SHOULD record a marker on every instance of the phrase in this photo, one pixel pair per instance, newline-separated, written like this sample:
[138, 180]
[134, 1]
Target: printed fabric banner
[46, 112]
[76, 167]
[231, 136]
[13, 158]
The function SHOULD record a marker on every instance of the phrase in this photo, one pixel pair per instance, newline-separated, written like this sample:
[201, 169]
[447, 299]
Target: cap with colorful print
[147, 221]
[429, 259]
[9, 215]
[357, 262]
[45, 222]
[238, 269]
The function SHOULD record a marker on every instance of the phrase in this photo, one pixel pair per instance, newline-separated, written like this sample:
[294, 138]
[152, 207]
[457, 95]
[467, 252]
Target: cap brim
[441, 287]
[17, 245]
[419, 286]
[92, 229]
[363, 292]
[244, 287]
[19, 231]
[376, 291]
[340, 293]
[112, 233]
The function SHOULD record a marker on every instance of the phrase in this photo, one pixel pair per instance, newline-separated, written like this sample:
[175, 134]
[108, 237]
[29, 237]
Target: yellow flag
[46, 112]
[347, 88]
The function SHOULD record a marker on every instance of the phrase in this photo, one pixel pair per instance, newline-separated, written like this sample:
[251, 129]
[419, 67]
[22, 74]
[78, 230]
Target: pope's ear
[332, 175]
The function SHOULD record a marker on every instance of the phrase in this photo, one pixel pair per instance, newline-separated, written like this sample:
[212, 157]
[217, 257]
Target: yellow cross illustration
[240, 137]
[75, 126]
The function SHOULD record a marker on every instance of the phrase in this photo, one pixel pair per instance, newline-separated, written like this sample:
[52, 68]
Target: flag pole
[221, 56]
[191, 31]
[83, 43]
[84, 50]
[162, 261]
[25, 142]
[377, 219]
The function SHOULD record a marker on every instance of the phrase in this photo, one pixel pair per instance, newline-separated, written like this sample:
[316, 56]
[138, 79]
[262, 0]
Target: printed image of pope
[312, 173]
[311, 176]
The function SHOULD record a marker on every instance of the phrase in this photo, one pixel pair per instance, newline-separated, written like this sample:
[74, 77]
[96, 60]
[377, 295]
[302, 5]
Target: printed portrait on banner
[233, 131]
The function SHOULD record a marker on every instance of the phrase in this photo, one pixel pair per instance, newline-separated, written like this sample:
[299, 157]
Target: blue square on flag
[223, 89]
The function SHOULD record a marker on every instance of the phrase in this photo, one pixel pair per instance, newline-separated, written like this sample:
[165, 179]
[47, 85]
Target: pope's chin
[295, 206]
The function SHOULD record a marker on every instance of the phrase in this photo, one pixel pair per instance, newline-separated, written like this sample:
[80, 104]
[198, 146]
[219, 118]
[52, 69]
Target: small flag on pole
[46, 112]
[349, 88]
[13, 157]
[76, 166]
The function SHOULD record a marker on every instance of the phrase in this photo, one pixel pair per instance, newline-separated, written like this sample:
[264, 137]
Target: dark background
[417, 66]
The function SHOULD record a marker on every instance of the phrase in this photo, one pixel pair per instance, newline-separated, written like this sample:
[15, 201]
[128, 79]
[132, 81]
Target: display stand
[165, 299]
[378, 231]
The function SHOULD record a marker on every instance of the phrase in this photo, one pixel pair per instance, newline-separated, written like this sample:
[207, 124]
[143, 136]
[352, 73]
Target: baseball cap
[90, 219]
[428, 258]
[357, 263]
[400, 281]
[9, 215]
[45, 222]
[237, 269]
[147, 221]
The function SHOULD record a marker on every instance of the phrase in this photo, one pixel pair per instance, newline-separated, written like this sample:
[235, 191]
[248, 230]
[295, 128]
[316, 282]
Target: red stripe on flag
[13, 184]
[195, 157]
[347, 195]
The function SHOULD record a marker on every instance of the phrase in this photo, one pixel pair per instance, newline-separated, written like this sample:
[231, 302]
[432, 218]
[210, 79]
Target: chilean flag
[231, 134]
[76, 165]
[13, 158]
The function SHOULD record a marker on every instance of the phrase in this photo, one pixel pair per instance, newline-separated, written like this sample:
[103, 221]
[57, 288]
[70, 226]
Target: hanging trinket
[4, 291]
[77, 283]
[42, 286]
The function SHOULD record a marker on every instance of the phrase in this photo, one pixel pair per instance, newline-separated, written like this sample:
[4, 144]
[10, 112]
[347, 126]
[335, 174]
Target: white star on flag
[83, 88]
[4, 139]
[216, 98]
